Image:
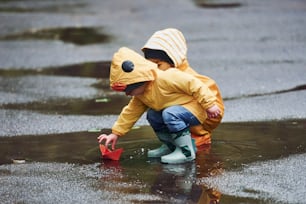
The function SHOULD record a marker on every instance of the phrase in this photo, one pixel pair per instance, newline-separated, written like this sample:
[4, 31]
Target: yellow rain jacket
[173, 42]
[165, 89]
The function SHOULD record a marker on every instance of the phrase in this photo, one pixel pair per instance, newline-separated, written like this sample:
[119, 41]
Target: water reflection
[166, 183]
[176, 183]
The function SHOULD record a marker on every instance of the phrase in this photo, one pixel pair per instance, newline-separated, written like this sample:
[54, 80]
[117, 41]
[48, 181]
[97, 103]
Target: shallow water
[235, 146]
[76, 35]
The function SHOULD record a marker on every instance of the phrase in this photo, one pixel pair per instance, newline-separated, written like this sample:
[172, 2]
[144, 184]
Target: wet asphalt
[255, 50]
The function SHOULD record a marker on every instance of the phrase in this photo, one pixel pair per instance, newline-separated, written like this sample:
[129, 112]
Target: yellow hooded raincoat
[165, 88]
[173, 42]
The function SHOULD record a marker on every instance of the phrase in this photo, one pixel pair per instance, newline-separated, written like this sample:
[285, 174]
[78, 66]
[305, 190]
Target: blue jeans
[172, 119]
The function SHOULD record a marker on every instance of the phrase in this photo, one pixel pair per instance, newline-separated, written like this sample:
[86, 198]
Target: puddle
[87, 69]
[297, 88]
[111, 104]
[107, 102]
[70, 147]
[242, 143]
[217, 3]
[235, 146]
[38, 6]
[76, 35]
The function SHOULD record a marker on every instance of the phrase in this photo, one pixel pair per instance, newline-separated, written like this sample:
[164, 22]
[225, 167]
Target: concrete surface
[255, 52]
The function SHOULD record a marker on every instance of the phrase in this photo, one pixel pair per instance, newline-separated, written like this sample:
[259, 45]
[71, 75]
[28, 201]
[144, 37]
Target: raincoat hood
[171, 41]
[128, 67]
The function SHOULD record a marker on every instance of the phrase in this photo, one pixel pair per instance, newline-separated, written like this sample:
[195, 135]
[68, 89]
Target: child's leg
[178, 120]
[156, 120]
[157, 123]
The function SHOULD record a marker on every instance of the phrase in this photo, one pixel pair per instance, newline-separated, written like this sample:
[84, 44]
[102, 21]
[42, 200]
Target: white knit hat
[170, 40]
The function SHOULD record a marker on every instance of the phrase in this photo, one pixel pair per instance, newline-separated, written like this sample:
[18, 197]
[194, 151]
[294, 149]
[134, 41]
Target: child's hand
[109, 139]
[213, 112]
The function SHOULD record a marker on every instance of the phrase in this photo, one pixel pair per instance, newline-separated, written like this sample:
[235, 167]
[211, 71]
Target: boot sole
[178, 161]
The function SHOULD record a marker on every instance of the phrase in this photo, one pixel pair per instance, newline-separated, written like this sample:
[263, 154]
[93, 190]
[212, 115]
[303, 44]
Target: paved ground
[255, 52]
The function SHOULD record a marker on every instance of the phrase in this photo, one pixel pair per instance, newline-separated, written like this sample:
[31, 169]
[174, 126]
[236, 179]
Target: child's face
[136, 92]
[162, 65]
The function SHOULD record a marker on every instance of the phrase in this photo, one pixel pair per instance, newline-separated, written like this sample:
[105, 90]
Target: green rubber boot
[184, 151]
[166, 148]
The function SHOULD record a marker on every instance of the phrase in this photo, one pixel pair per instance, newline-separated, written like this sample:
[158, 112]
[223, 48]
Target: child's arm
[127, 118]
[198, 90]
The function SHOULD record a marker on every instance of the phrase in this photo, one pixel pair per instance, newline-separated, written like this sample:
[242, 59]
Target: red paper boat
[108, 154]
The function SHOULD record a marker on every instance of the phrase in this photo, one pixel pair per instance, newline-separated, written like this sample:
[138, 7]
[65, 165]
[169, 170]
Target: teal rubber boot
[184, 151]
[166, 148]
[158, 152]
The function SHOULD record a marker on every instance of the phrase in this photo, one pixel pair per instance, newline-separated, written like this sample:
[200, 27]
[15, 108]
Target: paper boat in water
[108, 154]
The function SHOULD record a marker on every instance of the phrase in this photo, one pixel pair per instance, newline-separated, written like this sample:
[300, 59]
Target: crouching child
[174, 103]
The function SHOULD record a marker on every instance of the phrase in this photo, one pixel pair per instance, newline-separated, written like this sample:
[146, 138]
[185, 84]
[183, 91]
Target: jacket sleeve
[194, 87]
[129, 116]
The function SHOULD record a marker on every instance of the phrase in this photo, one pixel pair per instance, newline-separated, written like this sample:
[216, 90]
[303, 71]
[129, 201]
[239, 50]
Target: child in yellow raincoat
[167, 48]
[177, 100]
